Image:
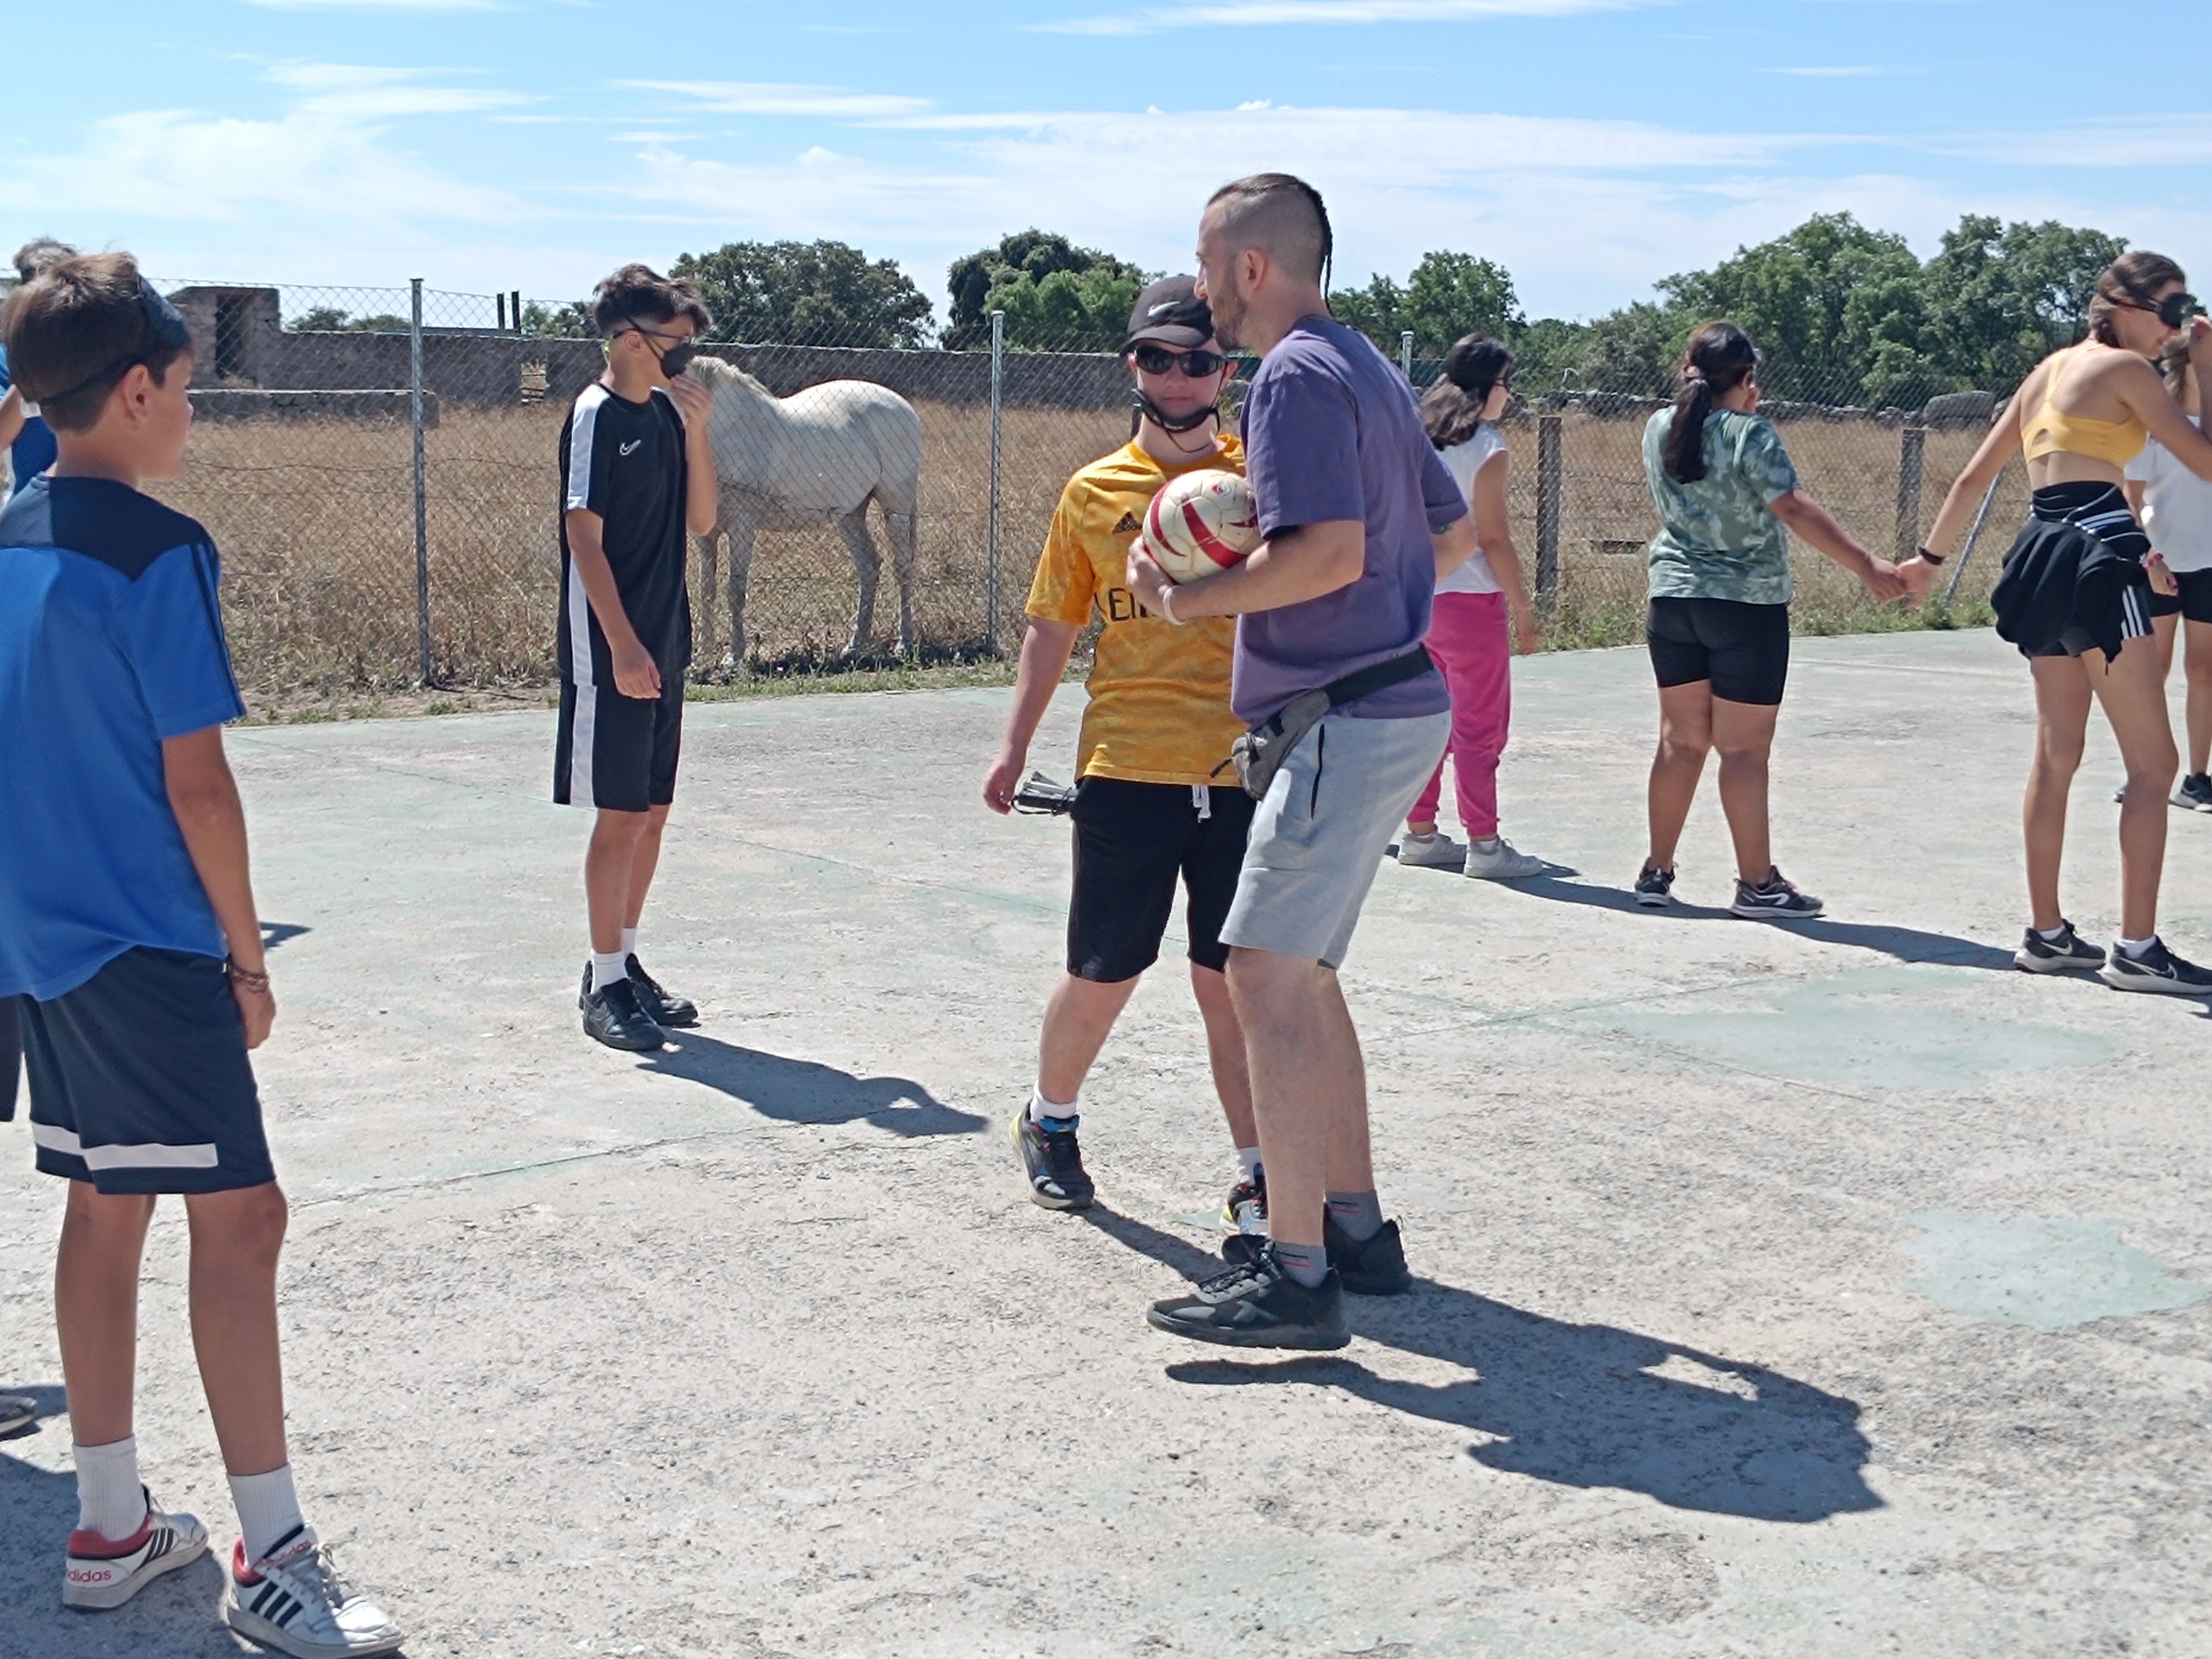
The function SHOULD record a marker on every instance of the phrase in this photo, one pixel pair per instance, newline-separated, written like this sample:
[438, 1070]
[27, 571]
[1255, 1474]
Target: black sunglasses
[2176, 309]
[1159, 360]
[170, 331]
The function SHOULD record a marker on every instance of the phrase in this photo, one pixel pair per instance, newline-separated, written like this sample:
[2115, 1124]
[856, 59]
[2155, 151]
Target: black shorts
[140, 1081]
[618, 752]
[11, 1057]
[1132, 840]
[1743, 649]
[2193, 603]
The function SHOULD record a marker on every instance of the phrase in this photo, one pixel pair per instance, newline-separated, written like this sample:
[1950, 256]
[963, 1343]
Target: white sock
[1041, 1109]
[630, 943]
[1247, 1162]
[1485, 843]
[608, 966]
[267, 1508]
[2051, 935]
[111, 1500]
[2136, 947]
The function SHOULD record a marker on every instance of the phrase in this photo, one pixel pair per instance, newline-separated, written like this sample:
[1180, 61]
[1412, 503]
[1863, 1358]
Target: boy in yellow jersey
[1157, 726]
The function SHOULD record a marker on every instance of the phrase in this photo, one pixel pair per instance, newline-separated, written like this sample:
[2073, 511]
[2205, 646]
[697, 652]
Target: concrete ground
[1832, 1290]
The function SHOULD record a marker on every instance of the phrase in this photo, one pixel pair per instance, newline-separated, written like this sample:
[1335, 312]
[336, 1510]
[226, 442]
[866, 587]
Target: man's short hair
[639, 294]
[75, 330]
[1281, 215]
[41, 252]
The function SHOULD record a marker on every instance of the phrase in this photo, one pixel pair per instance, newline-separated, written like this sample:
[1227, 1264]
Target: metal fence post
[1911, 457]
[991, 563]
[421, 492]
[1974, 535]
[1551, 478]
[1406, 353]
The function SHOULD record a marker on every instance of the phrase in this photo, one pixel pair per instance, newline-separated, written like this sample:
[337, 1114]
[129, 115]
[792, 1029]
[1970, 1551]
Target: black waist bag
[1260, 752]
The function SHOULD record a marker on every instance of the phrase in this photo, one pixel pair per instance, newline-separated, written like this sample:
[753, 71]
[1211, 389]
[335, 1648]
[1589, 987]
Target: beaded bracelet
[250, 979]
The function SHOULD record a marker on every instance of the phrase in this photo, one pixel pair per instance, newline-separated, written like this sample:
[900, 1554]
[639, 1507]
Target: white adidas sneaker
[1502, 862]
[293, 1599]
[103, 1572]
[1434, 851]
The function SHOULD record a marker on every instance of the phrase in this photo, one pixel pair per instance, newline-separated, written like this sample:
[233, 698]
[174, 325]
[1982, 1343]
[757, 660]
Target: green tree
[1378, 311]
[1056, 297]
[1820, 302]
[819, 293]
[2001, 297]
[571, 320]
[321, 319]
[1447, 295]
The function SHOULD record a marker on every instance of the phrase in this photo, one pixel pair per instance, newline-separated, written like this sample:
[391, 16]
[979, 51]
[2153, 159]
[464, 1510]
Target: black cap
[1171, 311]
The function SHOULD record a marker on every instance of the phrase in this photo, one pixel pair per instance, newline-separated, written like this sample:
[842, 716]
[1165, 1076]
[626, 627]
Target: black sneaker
[2070, 949]
[1256, 1304]
[2156, 969]
[1655, 889]
[1053, 1163]
[1377, 1267]
[673, 1012]
[1244, 1211]
[2195, 793]
[1775, 898]
[612, 1015]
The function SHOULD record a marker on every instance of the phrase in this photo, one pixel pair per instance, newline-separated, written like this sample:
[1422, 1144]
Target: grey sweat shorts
[1320, 833]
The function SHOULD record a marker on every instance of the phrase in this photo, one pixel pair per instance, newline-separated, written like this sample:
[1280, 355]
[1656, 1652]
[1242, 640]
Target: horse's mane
[713, 369]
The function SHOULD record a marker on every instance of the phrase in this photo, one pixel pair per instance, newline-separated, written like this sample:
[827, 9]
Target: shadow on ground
[806, 1092]
[1905, 944]
[1587, 1406]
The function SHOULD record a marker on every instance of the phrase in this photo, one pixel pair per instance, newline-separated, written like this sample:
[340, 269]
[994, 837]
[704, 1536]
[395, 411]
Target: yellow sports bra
[2052, 432]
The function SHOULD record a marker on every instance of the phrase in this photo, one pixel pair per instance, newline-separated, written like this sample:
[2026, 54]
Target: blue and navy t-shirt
[111, 640]
[34, 449]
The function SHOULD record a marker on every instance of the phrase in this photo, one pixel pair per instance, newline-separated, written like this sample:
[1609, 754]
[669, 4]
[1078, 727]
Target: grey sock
[1306, 1264]
[1358, 1216]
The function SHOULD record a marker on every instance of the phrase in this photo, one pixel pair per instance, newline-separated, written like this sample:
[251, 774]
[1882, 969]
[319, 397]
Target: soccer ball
[1202, 522]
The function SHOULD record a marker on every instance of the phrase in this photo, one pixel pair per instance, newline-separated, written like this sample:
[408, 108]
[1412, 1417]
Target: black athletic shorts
[618, 752]
[1743, 649]
[1132, 840]
[140, 1081]
[2193, 603]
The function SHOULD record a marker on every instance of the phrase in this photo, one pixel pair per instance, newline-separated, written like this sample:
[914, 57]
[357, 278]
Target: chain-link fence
[379, 468]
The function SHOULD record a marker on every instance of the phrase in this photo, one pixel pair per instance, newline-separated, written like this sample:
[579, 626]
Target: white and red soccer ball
[1202, 522]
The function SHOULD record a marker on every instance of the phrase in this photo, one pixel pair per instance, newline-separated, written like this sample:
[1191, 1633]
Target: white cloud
[1234, 14]
[783, 98]
[350, 92]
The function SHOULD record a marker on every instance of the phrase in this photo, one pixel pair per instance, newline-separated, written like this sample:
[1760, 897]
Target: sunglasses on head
[1159, 360]
[170, 332]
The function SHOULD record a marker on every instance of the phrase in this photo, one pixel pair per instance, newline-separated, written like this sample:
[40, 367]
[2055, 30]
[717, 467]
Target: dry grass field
[316, 524]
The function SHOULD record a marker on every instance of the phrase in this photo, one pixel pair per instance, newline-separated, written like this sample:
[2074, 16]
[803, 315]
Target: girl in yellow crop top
[2081, 415]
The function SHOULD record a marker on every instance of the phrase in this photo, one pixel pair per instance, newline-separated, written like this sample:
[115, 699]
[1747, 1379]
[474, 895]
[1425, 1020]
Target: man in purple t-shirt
[1361, 518]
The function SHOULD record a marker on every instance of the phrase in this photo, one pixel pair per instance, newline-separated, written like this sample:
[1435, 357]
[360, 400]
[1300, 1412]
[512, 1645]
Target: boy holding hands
[128, 933]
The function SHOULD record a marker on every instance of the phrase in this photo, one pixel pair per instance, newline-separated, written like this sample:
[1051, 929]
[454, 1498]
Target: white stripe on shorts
[583, 737]
[148, 1155]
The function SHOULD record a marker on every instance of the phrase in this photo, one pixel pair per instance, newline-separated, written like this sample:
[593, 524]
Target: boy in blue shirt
[26, 437]
[129, 939]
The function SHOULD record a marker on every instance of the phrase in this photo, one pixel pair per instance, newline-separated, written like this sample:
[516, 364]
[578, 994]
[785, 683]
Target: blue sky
[1591, 146]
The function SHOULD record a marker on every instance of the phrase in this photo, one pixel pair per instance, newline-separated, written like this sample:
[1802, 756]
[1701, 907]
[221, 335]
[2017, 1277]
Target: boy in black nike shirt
[637, 471]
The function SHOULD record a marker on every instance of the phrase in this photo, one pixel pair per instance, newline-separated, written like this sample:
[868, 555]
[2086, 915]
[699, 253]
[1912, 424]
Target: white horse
[820, 455]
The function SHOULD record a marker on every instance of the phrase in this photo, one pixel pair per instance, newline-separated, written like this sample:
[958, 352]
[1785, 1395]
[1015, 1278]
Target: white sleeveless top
[1463, 461]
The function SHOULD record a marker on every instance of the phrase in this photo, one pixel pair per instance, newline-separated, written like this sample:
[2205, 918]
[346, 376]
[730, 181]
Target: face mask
[673, 360]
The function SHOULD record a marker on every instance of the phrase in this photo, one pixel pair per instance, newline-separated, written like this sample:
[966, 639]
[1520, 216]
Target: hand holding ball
[1202, 522]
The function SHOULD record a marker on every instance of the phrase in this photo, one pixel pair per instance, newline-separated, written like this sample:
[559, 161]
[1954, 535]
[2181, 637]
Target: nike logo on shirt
[626, 448]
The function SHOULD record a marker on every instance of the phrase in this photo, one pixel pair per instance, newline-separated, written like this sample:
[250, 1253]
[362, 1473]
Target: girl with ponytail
[1719, 623]
[1468, 633]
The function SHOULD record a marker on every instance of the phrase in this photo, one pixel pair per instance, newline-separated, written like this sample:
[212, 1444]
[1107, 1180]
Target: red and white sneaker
[106, 1573]
[294, 1601]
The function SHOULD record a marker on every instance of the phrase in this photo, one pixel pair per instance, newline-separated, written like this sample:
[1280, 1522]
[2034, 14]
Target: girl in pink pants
[1482, 611]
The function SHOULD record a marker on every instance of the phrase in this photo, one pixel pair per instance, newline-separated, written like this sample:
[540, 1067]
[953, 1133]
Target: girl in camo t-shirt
[1719, 624]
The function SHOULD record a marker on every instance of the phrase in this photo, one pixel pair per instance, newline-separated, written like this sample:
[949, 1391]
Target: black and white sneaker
[293, 1600]
[17, 1412]
[2068, 952]
[1244, 1211]
[664, 1007]
[1375, 1268]
[2195, 793]
[1655, 889]
[1255, 1304]
[1775, 898]
[613, 1015]
[1053, 1163]
[2156, 969]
